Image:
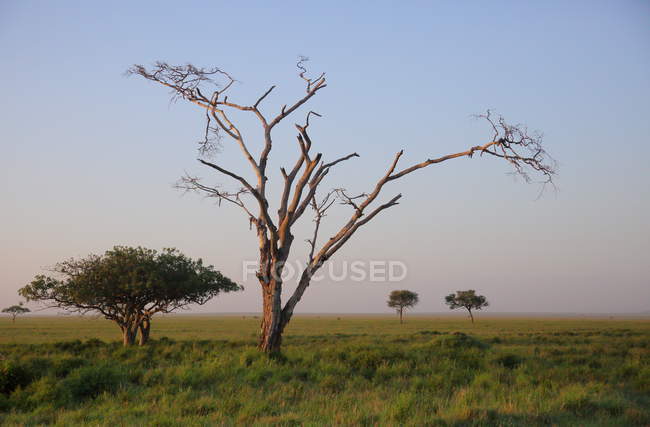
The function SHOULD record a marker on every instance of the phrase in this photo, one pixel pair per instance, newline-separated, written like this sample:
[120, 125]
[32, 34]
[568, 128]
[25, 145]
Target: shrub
[460, 340]
[36, 366]
[42, 391]
[427, 333]
[94, 342]
[509, 361]
[4, 403]
[64, 366]
[12, 376]
[90, 381]
[74, 346]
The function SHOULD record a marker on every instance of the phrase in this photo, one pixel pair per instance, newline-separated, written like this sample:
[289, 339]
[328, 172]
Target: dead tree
[209, 89]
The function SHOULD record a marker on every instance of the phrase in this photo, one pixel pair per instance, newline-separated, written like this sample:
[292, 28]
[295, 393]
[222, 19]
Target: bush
[90, 381]
[64, 366]
[4, 403]
[94, 343]
[74, 346]
[12, 376]
[509, 361]
[39, 392]
[36, 366]
[460, 340]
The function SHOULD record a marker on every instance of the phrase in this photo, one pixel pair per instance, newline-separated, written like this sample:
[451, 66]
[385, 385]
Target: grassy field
[204, 370]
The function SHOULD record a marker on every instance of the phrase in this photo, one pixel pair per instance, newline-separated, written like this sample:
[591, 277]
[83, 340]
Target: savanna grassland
[205, 370]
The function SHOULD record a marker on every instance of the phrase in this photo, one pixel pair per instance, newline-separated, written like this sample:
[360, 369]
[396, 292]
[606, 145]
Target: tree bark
[144, 327]
[272, 319]
[400, 315]
[128, 334]
[470, 315]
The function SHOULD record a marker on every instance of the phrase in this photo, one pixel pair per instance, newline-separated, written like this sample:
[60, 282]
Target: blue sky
[89, 156]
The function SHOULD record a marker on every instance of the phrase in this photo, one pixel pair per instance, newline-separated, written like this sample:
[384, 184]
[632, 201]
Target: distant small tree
[128, 286]
[15, 310]
[399, 300]
[468, 300]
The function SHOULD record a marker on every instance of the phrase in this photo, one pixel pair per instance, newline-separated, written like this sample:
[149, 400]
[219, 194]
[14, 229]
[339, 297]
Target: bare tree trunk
[400, 315]
[128, 334]
[470, 315]
[272, 319]
[13, 318]
[144, 327]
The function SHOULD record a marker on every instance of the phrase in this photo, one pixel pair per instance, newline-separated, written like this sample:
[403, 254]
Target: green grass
[205, 370]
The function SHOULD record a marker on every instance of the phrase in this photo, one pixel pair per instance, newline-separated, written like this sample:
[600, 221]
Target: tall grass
[505, 372]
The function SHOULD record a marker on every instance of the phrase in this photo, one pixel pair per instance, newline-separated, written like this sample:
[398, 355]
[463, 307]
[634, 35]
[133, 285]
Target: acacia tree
[209, 89]
[128, 286]
[399, 300]
[15, 310]
[466, 299]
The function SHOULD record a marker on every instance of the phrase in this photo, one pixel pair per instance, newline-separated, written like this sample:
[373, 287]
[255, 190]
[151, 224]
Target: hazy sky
[88, 156]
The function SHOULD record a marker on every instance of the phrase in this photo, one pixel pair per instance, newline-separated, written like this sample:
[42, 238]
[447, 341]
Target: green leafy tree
[15, 310]
[128, 286]
[466, 299]
[399, 300]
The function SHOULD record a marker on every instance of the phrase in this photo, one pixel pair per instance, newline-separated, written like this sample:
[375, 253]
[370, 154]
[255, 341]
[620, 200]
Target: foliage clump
[129, 286]
[399, 300]
[467, 300]
[12, 376]
[89, 382]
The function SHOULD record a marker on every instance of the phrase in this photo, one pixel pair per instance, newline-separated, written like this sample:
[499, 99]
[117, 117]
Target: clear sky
[88, 156]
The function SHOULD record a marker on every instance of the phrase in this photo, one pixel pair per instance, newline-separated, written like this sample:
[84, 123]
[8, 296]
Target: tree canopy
[128, 286]
[466, 299]
[399, 300]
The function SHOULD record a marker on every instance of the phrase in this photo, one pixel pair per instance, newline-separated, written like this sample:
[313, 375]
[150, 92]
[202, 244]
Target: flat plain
[334, 369]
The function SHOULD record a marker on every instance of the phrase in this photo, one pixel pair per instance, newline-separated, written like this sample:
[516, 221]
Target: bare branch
[349, 200]
[310, 82]
[262, 202]
[508, 142]
[184, 80]
[307, 118]
[318, 176]
[332, 250]
[190, 183]
[261, 98]
[313, 86]
[230, 174]
[211, 139]
[320, 208]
